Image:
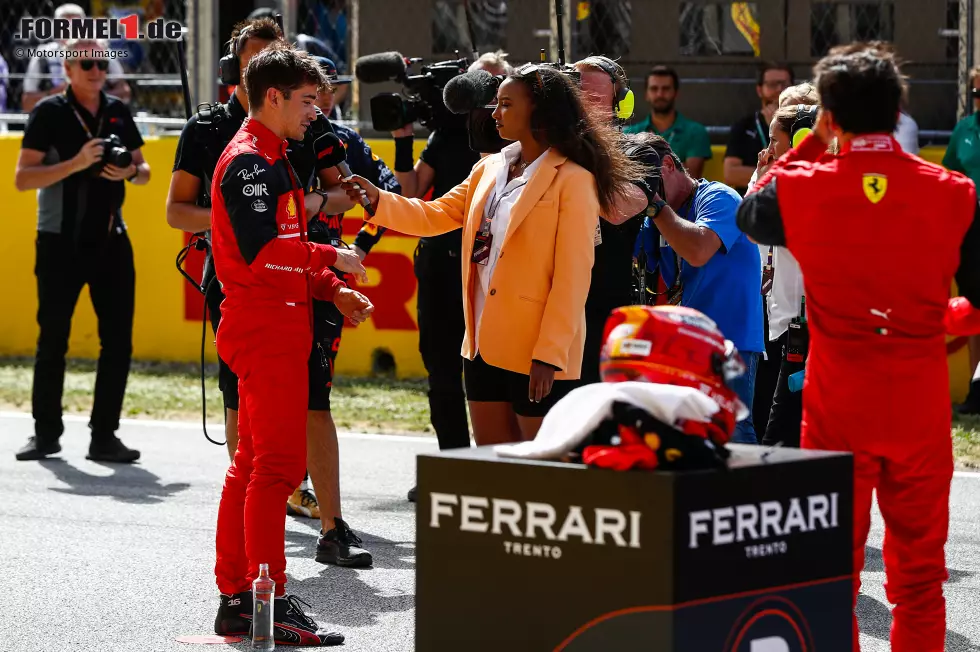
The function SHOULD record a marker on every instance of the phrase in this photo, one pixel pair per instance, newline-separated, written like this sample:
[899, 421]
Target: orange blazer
[535, 309]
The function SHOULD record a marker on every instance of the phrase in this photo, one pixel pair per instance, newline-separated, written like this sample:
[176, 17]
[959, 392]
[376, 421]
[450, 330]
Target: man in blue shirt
[705, 262]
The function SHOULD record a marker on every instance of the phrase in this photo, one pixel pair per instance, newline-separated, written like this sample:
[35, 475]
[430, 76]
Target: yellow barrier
[168, 310]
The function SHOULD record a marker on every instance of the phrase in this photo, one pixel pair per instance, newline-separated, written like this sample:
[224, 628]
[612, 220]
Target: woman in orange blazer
[529, 216]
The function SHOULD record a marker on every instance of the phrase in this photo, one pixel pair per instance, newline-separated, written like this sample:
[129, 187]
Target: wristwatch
[653, 210]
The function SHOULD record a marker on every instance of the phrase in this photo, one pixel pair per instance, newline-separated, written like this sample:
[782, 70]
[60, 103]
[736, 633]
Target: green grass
[173, 391]
[966, 440]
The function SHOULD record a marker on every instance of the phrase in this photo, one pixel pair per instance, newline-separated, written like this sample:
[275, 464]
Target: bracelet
[404, 154]
[323, 201]
[135, 174]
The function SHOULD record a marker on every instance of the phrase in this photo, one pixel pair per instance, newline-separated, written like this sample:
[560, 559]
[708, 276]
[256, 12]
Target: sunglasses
[88, 64]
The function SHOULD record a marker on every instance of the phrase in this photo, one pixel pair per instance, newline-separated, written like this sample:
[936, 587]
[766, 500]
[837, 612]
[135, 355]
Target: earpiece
[230, 65]
[806, 119]
[624, 101]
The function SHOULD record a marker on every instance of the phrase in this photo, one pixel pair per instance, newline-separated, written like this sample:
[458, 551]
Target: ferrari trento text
[754, 522]
[532, 520]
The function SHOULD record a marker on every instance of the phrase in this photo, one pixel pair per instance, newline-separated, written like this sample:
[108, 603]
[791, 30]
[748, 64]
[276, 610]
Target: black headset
[623, 102]
[230, 65]
[806, 120]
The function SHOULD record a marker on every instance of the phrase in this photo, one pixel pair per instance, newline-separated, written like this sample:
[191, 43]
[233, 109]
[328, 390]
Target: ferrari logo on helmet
[875, 187]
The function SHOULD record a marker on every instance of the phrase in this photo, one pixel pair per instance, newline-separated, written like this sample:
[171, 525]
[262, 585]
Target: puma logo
[883, 315]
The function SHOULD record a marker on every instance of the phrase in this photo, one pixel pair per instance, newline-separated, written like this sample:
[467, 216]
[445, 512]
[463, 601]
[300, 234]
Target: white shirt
[783, 300]
[499, 204]
[907, 133]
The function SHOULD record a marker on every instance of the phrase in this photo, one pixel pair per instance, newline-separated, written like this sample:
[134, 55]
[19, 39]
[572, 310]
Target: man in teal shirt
[688, 139]
[963, 155]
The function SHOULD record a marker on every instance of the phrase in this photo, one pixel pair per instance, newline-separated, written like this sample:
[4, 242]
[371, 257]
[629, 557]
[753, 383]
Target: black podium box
[525, 555]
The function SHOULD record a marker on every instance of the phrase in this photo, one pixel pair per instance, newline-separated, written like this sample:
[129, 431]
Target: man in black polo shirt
[750, 135]
[612, 271]
[82, 240]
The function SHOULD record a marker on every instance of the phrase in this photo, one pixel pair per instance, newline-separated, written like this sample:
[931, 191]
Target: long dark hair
[562, 120]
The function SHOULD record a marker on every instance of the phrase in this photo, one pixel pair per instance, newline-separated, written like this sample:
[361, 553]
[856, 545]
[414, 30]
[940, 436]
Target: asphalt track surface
[98, 557]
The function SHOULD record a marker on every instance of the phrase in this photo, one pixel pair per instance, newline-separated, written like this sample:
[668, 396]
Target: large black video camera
[422, 98]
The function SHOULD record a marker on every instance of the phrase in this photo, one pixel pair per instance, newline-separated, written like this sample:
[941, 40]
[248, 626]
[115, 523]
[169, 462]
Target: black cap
[330, 69]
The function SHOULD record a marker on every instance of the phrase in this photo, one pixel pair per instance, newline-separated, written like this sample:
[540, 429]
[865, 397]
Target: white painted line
[220, 427]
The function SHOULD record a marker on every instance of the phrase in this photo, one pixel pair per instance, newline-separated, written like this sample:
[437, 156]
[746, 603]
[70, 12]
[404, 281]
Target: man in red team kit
[880, 236]
[269, 273]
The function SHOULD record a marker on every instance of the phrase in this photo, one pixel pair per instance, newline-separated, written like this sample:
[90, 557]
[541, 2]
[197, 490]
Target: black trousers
[61, 273]
[766, 378]
[786, 414]
[441, 332]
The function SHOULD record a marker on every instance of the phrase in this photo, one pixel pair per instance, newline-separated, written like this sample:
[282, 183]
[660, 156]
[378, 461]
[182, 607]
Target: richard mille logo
[535, 529]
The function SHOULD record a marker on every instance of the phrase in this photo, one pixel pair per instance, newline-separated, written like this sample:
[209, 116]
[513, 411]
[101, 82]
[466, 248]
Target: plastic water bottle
[263, 599]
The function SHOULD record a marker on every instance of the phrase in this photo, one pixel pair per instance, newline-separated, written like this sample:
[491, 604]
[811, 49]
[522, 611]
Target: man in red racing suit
[879, 236]
[269, 272]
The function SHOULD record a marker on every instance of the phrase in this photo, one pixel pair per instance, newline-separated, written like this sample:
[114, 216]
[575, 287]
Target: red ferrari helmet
[673, 345]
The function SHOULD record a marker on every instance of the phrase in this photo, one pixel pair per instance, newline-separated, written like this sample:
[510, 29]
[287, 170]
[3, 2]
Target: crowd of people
[589, 219]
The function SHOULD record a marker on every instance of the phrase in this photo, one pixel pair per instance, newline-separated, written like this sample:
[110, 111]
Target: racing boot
[234, 615]
[293, 627]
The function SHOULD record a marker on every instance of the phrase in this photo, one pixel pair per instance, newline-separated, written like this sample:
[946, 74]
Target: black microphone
[380, 67]
[470, 90]
[332, 153]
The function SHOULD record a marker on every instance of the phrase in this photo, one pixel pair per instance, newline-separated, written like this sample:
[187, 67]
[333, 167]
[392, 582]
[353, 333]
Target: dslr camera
[421, 99]
[115, 153]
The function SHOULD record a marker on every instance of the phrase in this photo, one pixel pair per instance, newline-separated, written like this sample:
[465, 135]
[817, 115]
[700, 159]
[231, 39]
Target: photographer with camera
[80, 148]
[202, 141]
[445, 162]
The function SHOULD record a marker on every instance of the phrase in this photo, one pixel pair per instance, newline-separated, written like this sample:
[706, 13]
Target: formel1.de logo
[126, 28]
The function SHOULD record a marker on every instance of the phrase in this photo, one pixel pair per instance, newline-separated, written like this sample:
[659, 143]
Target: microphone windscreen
[330, 152]
[380, 67]
[470, 90]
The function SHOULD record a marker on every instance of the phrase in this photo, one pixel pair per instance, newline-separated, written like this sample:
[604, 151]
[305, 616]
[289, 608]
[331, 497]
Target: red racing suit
[878, 235]
[269, 273]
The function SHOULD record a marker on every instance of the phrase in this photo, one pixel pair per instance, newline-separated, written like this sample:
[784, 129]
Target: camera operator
[445, 162]
[80, 147]
[877, 380]
[202, 141]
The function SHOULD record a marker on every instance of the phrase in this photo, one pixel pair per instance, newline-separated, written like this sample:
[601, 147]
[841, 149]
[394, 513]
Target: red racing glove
[961, 319]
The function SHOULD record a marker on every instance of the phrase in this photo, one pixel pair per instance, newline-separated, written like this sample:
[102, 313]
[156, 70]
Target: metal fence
[715, 45]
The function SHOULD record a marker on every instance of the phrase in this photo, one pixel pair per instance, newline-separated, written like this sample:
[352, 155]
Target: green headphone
[806, 119]
[624, 101]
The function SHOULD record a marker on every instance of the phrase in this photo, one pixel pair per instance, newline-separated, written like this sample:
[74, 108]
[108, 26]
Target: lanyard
[495, 204]
[81, 121]
[675, 291]
[763, 136]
